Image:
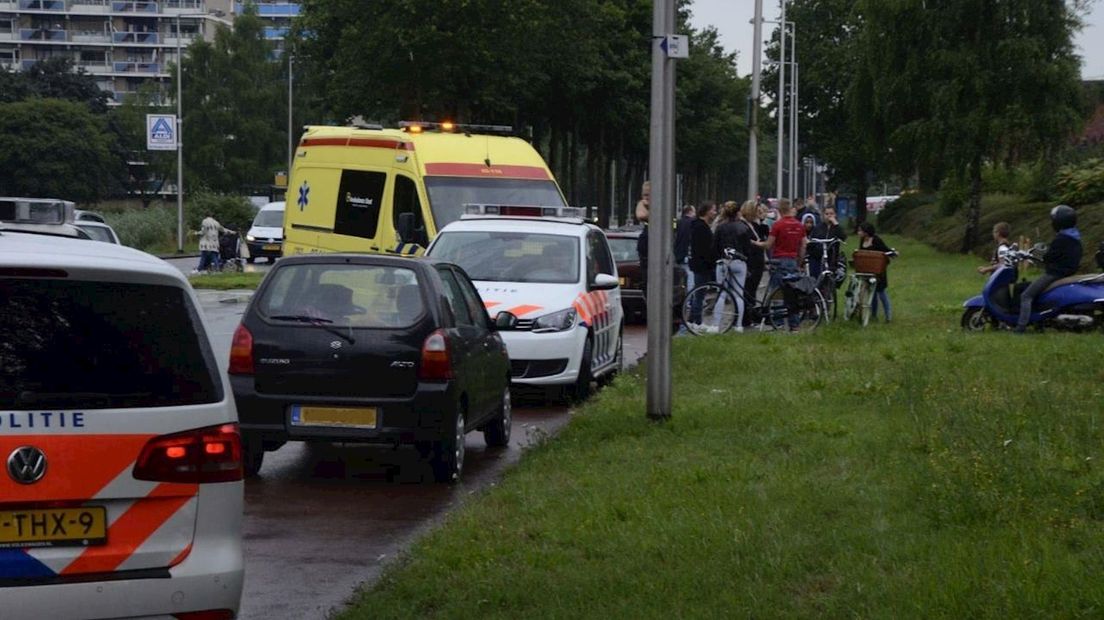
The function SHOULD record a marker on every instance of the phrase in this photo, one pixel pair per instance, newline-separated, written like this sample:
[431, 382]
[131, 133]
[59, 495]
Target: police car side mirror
[604, 282]
[505, 320]
[405, 228]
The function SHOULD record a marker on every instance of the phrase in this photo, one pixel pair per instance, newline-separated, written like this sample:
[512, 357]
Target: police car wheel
[581, 389]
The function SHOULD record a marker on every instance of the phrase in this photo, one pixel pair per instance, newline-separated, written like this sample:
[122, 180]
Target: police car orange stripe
[83, 453]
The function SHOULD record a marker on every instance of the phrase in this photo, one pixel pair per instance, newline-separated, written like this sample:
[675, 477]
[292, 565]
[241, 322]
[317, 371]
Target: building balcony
[90, 36]
[146, 38]
[91, 6]
[9, 36]
[179, 6]
[272, 9]
[94, 67]
[275, 33]
[135, 7]
[142, 68]
[42, 5]
[42, 34]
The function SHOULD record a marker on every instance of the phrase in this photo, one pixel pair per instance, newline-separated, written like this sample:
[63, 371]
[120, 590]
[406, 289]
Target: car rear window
[342, 295]
[624, 249]
[97, 233]
[101, 345]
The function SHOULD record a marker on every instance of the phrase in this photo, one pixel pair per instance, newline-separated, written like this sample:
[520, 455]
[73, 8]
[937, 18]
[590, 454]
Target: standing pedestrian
[870, 241]
[701, 254]
[209, 230]
[732, 246]
[682, 241]
[642, 210]
[828, 228]
[751, 214]
[786, 244]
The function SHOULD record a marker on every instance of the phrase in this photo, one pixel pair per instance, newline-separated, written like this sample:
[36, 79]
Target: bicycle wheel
[774, 311]
[851, 298]
[827, 287]
[709, 309]
[810, 311]
[866, 299]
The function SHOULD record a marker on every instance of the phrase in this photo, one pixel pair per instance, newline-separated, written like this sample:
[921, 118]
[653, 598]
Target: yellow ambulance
[369, 189]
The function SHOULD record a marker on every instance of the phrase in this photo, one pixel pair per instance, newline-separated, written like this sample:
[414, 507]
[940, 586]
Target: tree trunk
[554, 152]
[860, 201]
[572, 167]
[973, 214]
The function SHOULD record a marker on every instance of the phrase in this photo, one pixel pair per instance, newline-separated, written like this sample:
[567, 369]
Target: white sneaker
[739, 329]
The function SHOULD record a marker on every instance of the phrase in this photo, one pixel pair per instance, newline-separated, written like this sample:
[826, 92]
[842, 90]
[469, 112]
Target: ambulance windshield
[448, 195]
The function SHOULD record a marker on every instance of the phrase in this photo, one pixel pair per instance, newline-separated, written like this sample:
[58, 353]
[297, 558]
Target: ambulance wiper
[317, 321]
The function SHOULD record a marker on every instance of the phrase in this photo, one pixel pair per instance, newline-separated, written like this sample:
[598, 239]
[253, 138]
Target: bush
[953, 196]
[233, 212]
[1081, 184]
[890, 219]
[144, 229]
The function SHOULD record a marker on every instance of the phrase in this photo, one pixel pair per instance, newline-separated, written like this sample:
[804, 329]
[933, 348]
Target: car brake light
[241, 352]
[211, 454]
[436, 365]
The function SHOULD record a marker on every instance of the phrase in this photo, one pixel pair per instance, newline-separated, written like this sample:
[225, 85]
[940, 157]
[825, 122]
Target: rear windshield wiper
[317, 321]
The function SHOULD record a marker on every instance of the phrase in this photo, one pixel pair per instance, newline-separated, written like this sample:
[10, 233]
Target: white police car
[555, 272]
[120, 457]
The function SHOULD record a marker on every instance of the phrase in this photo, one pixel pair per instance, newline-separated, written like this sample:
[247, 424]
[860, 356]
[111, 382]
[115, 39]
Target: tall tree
[145, 172]
[55, 149]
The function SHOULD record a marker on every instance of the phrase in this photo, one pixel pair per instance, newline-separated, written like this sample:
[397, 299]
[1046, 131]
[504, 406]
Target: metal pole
[291, 147]
[779, 190]
[793, 116]
[179, 143]
[753, 112]
[660, 217]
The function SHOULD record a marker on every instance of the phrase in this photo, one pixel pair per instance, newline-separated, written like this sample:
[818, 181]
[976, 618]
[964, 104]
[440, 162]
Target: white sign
[161, 132]
[675, 45]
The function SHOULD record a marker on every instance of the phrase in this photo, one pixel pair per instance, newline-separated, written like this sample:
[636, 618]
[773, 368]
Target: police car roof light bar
[35, 211]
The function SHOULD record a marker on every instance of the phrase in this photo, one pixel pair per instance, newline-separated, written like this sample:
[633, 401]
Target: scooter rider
[1061, 260]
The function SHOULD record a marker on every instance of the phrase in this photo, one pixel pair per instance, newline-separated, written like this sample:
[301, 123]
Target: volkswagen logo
[336, 344]
[27, 465]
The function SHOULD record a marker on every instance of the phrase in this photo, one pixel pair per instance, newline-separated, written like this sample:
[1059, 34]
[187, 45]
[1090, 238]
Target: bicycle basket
[869, 261]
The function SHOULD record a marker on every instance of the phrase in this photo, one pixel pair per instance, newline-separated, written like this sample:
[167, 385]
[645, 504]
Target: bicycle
[827, 280]
[863, 283]
[717, 301]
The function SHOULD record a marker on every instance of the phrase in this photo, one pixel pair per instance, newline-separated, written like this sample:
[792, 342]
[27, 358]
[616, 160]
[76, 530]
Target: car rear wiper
[317, 321]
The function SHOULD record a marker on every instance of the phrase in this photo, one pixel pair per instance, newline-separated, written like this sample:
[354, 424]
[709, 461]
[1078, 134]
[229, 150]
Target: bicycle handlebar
[826, 241]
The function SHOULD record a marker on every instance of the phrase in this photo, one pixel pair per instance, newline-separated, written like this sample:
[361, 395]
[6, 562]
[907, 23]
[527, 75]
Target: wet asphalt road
[323, 519]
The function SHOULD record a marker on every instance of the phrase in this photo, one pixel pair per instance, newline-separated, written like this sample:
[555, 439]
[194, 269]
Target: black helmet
[1062, 217]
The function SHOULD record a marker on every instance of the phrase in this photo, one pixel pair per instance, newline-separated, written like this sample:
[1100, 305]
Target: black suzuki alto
[374, 349]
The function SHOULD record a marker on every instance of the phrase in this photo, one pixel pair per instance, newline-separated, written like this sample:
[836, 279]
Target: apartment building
[123, 43]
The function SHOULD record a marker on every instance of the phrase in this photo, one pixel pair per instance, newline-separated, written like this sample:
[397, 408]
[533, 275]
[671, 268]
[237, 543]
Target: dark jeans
[1033, 290]
[751, 289]
[208, 259]
[700, 277]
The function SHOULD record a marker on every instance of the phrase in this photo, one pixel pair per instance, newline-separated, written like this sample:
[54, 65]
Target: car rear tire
[448, 452]
[252, 457]
[497, 431]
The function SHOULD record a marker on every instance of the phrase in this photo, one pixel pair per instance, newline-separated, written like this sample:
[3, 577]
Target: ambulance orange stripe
[181, 556]
[522, 310]
[129, 531]
[79, 465]
[490, 304]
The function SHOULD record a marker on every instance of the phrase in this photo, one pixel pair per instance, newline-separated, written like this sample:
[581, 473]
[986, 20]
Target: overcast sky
[732, 19]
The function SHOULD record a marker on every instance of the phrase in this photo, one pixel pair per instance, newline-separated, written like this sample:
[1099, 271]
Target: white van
[266, 235]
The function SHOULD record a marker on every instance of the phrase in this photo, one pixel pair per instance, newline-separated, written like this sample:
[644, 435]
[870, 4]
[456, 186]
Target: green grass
[226, 281]
[903, 470]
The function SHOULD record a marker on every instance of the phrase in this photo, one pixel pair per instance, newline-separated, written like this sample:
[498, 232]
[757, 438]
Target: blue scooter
[1075, 303]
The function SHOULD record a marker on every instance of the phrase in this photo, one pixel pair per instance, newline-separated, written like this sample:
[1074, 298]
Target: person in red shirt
[786, 246]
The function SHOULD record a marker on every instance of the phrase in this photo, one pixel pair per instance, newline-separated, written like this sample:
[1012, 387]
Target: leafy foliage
[1082, 184]
[233, 212]
[57, 149]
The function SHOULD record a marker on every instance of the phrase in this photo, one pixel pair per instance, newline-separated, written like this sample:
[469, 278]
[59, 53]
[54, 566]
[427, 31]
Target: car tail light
[211, 454]
[210, 614]
[241, 352]
[436, 365]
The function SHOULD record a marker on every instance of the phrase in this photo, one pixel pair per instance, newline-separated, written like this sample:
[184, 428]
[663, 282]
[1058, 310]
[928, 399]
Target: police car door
[607, 319]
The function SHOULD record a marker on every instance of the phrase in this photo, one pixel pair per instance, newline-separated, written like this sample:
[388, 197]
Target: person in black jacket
[868, 240]
[732, 246]
[1061, 260]
[701, 254]
[682, 239]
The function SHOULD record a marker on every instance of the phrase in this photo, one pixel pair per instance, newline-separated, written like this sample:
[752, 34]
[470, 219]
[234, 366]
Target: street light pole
[753, 112]
[179, 144]
[290, 147]
[781, 116]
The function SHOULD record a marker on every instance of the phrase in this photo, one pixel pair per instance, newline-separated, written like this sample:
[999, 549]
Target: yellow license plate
[53, 527]
[624, 281]
[352, 417]
[271, 246]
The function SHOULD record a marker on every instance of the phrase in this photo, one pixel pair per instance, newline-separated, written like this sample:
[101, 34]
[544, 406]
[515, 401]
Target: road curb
[172, 256]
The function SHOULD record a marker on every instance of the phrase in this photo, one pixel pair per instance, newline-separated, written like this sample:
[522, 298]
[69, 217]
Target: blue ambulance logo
[304, 195]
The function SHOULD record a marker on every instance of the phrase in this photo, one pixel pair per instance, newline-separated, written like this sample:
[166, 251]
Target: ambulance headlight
[557, 321]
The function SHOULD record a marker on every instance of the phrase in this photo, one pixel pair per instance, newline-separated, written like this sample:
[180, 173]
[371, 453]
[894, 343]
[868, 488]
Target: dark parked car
[622, 244]
[374, 349]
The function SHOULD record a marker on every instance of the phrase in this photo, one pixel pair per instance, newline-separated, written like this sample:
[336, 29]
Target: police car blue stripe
[16, 564]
